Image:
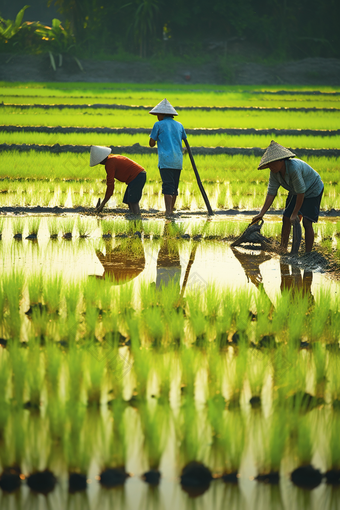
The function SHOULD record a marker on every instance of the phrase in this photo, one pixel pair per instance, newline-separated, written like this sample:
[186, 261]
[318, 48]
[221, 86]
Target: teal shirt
[168, 133]
[299, 178]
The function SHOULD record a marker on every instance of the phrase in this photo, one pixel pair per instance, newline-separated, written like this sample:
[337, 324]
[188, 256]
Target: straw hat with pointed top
[274, 152]
[98, 153]
[163, 107]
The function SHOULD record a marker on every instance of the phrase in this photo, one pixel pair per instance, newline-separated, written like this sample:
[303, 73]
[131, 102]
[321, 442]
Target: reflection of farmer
[294, 282]
[168, 262]
[168, 134]
[124, 262]
[251, 264]
[305, 191]
[123, 169]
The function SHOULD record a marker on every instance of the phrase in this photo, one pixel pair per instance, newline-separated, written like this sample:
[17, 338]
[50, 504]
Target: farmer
[168, 134]
[123, 169]
[305, 191]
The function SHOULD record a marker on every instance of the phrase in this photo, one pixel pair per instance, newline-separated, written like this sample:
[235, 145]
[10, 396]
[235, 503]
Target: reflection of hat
[274, 152]
[163, 107]
[98, 153]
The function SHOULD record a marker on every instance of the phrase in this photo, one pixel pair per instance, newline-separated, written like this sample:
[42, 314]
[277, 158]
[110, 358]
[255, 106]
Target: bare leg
[168, 199]
[134, 208]
[130, 208]
[173, 201]
[309, 234]
[285, 232]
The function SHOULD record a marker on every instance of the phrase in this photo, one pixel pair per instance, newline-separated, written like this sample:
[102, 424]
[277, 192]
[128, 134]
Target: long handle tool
[199, 182]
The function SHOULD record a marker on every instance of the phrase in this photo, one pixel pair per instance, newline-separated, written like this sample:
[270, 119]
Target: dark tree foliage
[285, 28]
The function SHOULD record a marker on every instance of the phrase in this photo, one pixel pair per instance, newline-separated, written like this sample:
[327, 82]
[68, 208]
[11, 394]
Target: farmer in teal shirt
[168, 134]
[305, 191]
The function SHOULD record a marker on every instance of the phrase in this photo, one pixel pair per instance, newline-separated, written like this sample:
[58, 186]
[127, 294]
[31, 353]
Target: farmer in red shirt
[123, 169]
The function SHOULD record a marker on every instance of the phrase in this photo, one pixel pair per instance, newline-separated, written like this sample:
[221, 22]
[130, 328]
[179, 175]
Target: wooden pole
[199, 182]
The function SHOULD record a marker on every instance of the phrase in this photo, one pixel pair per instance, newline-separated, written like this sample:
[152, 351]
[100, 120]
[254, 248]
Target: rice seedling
[107, 228]
[189, 360]
[84, 228]
[235, 369]
[142, 367]
[232, 444]
[154, 325]
[53, 228]
[18, 226]
[274, 440]
[18, 360]
[52, 287]
[34, 377]
[155, 426]
[256, 371]
[321, 369]
[35, 286]
[332, 474]
[67, 226]
[33, 228]
[75, 380]
[53, 368]
[95, 362]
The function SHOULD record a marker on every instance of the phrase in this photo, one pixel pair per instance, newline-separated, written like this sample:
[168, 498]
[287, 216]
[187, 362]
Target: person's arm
[108, 195]
[267, 203]
[152, 142]
[299, 201]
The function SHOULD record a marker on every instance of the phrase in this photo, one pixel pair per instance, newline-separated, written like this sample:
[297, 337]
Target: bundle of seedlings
[12, 449]
[18, 226]
[320, 317]
[225, 319]
[242, 317]
[274, 438]
[52, 289]
[175, 327]
[107, 228]
[113, 447]
[332, 475]
[78, 448]
[18, 363]
[142, 367]
[35, 284]
[232, 445]
[155, 426]
[305, 476]
[297, 318]
[215, 367]
[334, 382]
[75, 379]
[195, 476]
[257, 369]
[190, 361]
[95, 362]
[280, 315]
[164, 363]
[33, 228]
[12, 285]
[264, 310]
[35, 377]
[320, 357]
[67, 226]
[153, 325]
[41, 479]
[53, 228]
[84, 228]
[235, 369]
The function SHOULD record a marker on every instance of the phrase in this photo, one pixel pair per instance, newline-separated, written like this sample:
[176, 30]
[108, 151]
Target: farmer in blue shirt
[168, 134]
[305, 191]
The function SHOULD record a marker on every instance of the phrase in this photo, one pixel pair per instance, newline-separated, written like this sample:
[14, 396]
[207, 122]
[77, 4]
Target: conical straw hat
[163, 107]
[274, 152]
[98, 153]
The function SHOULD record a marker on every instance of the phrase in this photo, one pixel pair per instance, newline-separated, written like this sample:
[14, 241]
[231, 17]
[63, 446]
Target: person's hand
[293, 218]
[257, 218]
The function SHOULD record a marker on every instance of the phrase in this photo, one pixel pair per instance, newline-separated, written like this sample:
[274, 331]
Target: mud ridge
[195, 131]
[140, 149]
[179, 108]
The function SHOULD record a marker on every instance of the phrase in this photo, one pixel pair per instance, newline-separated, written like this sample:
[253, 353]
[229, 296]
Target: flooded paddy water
[156, 352]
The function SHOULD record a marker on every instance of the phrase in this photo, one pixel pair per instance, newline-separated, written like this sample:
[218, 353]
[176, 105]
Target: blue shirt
[168, 133]
[299, 178]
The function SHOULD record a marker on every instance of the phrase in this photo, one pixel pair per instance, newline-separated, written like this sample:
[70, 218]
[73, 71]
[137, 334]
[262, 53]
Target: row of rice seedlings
[190, 119]
[139, 94]
[210, 140]
[213, 169]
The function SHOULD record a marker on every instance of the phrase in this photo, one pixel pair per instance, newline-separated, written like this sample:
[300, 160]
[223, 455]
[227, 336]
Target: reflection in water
[168, 261]
[124, 262]
[267, 496]
[251, 264]
[295, 282]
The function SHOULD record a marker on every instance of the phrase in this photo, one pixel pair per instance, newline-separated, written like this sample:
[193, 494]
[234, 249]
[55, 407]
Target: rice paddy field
[147, 363]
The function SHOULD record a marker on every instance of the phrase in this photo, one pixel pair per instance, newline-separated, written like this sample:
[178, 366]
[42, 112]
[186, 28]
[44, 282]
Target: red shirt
[121, 168]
